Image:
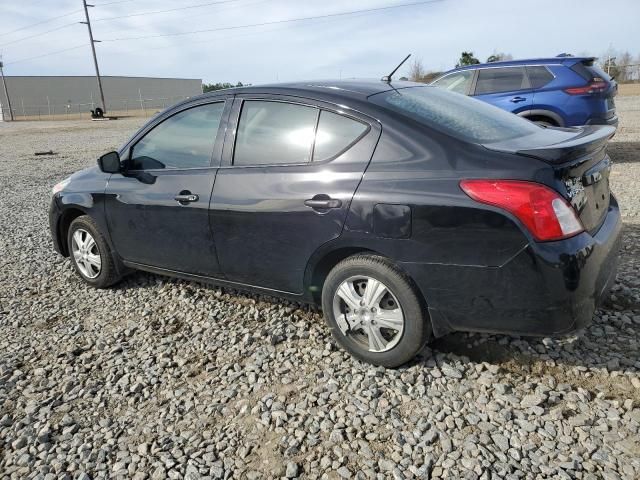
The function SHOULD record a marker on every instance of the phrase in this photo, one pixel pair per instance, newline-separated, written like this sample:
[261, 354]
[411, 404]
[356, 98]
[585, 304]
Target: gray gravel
[160, 378]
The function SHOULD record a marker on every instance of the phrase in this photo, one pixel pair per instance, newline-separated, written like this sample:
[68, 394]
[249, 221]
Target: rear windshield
[454, 114]
[590, 72]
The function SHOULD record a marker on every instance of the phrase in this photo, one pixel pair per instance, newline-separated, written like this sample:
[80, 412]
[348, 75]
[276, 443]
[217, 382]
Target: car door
[504, 87]
[290, 169]
[157, 211]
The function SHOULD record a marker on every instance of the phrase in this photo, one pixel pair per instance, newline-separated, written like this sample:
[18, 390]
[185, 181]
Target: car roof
[358, 89]
[526, 61]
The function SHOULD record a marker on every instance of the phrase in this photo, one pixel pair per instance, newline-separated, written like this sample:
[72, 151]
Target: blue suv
[559, 91]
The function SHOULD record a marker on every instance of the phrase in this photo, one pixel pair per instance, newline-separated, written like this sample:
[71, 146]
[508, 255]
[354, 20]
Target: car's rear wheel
[374, 311]
[90, 254]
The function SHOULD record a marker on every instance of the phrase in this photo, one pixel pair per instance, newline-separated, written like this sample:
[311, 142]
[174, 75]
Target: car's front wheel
[90, 253]
[374, 311]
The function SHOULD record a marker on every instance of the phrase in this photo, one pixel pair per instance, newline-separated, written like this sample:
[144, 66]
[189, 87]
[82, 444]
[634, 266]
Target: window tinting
[335, 133]
[274, 132]
[493, 80]
[456, 115]
[539, 76]
[590, 72]
[184, 140]
[456, 82]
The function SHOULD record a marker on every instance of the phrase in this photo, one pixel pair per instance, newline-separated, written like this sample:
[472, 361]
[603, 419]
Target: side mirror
[110, 162]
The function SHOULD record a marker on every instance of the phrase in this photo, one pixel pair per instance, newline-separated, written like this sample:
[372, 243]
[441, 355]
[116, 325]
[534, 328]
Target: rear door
[504, 87]
[290, 169]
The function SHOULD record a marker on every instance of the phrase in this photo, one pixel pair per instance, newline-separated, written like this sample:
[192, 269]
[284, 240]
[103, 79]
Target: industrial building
[44, 97]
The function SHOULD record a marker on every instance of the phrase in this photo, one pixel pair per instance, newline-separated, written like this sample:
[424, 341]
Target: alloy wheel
[86, 253]
[367, 311]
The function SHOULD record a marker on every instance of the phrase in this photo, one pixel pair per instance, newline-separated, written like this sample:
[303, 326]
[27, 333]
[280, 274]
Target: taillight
[592, 87]
[542, 210]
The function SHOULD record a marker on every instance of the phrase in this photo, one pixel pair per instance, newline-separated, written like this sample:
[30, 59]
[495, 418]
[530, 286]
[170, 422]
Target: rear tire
[374, 311]
[542, 121]
[90, 254]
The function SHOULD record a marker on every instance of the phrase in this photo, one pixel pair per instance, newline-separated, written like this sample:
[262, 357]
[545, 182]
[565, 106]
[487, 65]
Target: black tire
[544, 123]
[417, 326]
[108, 274]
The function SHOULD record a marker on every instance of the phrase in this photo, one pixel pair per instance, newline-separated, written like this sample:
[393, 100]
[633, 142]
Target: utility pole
[6, 92]
[93, 50]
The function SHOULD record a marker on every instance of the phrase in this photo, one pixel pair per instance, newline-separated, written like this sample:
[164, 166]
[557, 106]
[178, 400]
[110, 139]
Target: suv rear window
[539, 76]
[493, 80]
[589, 71]
[454, 114]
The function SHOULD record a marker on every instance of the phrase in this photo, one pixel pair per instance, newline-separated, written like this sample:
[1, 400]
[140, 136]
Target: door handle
[518, 99]
[323, 203]
[185, 198]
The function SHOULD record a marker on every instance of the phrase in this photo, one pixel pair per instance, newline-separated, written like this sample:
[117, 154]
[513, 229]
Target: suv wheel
[374, 312]
[90, 254]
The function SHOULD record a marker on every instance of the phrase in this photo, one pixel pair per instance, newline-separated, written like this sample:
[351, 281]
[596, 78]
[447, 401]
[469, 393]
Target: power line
[46, 54]
[40, 23]
[355, 12]
[275, 22]
[39, 34]
[104, 19]
[112, 3]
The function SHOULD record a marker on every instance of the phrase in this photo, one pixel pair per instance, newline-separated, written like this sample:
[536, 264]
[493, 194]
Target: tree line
[212, 87]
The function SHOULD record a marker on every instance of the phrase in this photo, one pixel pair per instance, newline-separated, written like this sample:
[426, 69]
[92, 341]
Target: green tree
[499, 57]
[212, 87]
[467, 58]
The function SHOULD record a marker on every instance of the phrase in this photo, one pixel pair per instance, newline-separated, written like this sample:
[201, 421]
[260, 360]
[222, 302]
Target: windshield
[456, 115]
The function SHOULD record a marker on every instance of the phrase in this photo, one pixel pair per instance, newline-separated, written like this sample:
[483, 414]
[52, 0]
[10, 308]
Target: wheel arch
[537, 113]
[68, 215]
[323, 262]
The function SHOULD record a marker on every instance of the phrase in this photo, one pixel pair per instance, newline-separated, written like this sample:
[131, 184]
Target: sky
[356, 45]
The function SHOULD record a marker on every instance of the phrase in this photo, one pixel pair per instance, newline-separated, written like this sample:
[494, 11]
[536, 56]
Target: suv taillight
[542, 210]
[597, 85]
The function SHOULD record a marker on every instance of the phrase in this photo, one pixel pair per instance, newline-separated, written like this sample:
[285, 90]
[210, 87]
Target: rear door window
[335, 134]
[496, 80]
[274, 133]
[539, 76]
[456, 82]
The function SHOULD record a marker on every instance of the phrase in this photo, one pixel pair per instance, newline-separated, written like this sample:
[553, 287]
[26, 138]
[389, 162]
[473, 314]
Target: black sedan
[405, 211]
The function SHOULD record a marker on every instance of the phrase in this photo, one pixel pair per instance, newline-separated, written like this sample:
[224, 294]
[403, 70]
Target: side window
[494, 80]
[184, 140]
[335, 133]
[456, 82]
[274, 132]
[539, 76]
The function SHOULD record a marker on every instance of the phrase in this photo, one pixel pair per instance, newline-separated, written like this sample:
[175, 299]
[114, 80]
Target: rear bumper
[546, 289]
[613, 121]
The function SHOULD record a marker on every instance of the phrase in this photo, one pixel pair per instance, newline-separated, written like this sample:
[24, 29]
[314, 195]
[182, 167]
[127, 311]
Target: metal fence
[140, 107]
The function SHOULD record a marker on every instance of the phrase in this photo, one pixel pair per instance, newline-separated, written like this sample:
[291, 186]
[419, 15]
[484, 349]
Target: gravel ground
[160, 378]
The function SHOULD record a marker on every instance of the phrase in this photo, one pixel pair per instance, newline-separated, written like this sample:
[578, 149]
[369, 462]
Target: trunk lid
[580, 162]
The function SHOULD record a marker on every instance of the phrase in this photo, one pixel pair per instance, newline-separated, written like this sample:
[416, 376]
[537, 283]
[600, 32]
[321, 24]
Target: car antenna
[387, 78]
